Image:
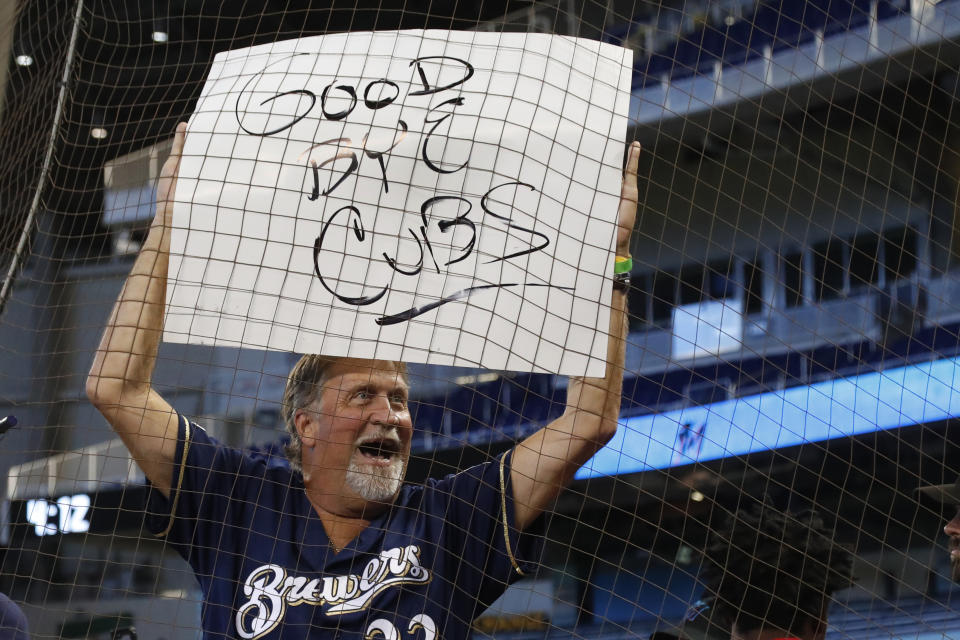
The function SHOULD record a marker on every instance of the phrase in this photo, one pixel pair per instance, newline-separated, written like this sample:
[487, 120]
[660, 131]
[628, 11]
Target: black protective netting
[791, 382]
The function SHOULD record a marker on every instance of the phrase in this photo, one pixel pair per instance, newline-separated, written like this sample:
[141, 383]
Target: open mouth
[382, 451]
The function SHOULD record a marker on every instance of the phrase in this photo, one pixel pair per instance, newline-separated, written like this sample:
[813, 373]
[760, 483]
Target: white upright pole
[47, 159]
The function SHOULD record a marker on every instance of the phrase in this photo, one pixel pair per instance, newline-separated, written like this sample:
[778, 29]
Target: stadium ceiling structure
[137, 69]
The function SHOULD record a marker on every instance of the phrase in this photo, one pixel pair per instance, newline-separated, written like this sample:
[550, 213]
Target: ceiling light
[730, 20]
[98, 125]
[161, 29]
[24, 60]
[696, 496]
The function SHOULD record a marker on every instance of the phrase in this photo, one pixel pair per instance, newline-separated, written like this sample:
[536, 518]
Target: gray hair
[304, 383]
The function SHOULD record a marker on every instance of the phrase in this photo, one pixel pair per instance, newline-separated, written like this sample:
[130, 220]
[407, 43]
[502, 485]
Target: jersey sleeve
[211, 496]
[479, 536]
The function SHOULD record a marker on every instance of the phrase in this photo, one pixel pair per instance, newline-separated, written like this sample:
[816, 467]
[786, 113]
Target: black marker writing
[338, 154]
[416, 269]
[441, 60]
[378, 155]
[425, 248]
[382, 102]
[430, 118]
[483, 205]
[413, 312]
[440, 239]
[360, 234]
[338, 115]
[446, 225]
[241, 110]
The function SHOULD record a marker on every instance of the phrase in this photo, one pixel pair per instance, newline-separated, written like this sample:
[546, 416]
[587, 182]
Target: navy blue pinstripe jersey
[421, 571]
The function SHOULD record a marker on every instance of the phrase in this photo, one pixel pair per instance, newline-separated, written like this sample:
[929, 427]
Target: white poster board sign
[426, 196]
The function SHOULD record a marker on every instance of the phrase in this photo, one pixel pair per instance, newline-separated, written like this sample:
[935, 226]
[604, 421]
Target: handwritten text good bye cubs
[426, 196]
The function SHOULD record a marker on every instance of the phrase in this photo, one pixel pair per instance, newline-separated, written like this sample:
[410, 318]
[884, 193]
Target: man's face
[952, 529]
[356, 437]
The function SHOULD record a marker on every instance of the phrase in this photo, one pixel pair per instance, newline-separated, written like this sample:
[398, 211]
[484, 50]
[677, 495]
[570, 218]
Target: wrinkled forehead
[381, 371]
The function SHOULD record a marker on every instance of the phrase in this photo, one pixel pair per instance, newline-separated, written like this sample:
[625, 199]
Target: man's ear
[306, 425]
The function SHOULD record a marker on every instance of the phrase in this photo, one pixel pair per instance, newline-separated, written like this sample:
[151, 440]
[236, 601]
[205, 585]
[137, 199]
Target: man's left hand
[629, 197]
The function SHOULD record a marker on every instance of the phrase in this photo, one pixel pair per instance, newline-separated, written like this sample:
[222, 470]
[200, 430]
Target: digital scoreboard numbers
[106, 512]
[68, 514]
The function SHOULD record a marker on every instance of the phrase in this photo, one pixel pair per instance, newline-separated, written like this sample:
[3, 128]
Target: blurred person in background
[13, 624]
[769, 575]
[698, 624]
[949, 494]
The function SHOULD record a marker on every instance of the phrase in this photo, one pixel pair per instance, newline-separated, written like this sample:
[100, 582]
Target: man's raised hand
[629, 197]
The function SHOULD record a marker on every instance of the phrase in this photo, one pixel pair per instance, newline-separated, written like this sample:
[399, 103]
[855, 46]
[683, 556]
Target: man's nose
[952, 528]
[383, 410]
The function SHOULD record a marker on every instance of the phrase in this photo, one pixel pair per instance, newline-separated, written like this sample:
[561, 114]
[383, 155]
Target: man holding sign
[335, 544]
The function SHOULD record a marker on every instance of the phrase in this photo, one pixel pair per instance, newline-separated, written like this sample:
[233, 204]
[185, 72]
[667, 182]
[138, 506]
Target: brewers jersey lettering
[423, 570]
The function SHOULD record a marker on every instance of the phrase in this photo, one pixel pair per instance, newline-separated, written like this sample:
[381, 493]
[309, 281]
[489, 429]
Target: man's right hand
[120, 379]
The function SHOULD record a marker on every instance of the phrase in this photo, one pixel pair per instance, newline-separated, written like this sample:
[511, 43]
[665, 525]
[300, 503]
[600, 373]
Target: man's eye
[398, 399]
[362, 395]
